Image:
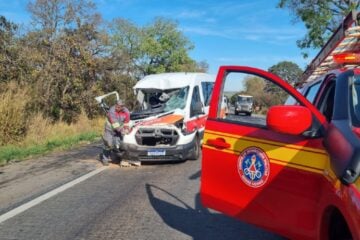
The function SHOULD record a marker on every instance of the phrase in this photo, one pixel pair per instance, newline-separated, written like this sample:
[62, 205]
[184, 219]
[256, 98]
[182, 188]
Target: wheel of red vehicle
[196, 150]
[338, 229]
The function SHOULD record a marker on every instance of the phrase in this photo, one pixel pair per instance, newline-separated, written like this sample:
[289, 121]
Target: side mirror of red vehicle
[289, 119]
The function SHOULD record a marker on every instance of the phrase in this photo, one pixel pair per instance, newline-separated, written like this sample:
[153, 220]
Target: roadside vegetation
[266, 95]
[24, 136]
[52, 68]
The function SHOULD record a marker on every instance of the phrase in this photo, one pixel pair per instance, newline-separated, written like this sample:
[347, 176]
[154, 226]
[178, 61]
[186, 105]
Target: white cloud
[263, 34]
[204, 31]
[190, 14]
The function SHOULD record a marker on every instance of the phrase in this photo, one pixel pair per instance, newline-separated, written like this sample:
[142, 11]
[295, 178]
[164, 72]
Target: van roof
[244, 95]
[164, 81]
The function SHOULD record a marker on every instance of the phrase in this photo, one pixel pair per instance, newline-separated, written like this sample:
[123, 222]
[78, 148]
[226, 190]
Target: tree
[321, 18]
[12, 65]
[68, 46]
[155, 48]
[288, 71]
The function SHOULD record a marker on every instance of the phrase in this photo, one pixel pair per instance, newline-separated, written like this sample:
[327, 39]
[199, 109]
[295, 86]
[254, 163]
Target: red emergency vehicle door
[265, 171]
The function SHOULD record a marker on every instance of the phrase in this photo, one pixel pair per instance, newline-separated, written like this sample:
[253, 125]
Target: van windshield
[243, 99]
[177, 100]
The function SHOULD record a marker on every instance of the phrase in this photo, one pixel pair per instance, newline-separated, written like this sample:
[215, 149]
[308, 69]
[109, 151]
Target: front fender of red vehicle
[338, 203]
[351, 199]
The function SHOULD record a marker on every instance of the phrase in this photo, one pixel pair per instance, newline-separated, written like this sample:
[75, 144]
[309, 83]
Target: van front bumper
[158, 153]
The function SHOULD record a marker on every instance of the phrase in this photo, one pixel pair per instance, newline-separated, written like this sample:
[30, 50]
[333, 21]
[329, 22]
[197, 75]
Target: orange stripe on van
[168, 119]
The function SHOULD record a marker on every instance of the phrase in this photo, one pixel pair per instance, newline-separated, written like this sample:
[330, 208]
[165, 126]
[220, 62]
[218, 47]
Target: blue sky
[228, 32]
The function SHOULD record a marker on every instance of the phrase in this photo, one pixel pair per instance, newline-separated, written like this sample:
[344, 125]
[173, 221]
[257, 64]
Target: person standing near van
[117, 118]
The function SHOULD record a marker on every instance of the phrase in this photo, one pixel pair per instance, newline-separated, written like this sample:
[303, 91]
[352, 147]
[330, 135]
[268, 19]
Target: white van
[169, 125]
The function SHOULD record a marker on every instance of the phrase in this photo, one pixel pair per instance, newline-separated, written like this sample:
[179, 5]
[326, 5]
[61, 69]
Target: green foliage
[288, 71]
[263, 99]
[164, 48]
[13, 114]
[68, 47]
[233, 98]
[66, 58]
[321, 18]
[12, 152]
[13, 67]
[156, 48]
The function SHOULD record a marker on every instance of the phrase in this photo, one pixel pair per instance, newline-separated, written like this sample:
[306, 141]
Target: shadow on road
[199, 222]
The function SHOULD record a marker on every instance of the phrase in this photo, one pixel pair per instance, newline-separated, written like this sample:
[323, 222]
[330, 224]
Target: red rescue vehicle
[292, 167]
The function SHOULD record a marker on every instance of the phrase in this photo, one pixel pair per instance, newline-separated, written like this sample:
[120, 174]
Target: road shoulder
[23, 181]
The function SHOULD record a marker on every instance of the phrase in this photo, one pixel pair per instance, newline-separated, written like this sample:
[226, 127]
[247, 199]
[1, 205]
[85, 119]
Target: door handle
[218, 143]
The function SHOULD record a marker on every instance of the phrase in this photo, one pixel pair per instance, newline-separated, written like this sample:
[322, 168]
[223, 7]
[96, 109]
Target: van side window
[250, 98]
[195, 101]
[207, 88]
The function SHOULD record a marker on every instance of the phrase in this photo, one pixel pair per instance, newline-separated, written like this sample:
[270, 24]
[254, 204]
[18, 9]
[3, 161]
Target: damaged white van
[170, 122]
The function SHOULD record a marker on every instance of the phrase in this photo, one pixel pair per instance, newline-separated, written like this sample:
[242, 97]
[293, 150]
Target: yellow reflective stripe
[236, 136]
[115, 125]
[305, 158]
[357, 184]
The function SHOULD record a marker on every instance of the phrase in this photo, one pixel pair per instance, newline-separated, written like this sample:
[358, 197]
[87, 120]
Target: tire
[196, 150]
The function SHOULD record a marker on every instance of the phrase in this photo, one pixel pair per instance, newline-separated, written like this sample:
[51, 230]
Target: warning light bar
[342, 58]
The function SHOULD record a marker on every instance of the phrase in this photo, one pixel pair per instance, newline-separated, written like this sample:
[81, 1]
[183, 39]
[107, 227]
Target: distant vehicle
[244, 104]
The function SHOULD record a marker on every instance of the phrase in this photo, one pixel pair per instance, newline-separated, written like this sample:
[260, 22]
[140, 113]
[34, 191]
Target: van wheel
[196, 150]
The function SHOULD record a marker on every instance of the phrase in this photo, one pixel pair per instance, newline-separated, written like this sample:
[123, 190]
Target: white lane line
[48, 195]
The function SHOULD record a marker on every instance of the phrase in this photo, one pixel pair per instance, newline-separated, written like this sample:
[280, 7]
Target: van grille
[156, 136]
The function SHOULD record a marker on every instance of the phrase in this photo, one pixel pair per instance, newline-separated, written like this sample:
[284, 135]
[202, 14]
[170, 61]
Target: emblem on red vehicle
[254, 167]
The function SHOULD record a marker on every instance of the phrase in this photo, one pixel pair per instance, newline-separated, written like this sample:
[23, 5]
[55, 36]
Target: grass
[23, 135]
[43, 137]
[12, 152]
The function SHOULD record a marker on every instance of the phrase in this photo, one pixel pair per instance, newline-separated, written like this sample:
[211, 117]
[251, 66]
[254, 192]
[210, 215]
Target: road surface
[148, 202]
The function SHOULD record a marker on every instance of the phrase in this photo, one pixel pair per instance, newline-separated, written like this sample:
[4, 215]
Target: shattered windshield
[177, 100]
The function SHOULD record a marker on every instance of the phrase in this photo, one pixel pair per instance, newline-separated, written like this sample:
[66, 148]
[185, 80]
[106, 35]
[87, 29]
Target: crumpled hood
[163, 120]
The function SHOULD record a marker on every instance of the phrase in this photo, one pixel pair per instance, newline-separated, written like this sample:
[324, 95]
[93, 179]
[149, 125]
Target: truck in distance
[244, 104]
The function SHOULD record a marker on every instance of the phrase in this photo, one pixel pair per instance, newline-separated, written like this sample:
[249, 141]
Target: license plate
[156, 152]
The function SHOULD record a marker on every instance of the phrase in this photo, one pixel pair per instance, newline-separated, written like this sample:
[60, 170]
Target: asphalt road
[148, 202]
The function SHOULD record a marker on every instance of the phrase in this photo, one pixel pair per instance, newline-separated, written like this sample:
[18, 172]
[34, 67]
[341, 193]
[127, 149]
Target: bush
[13, 114]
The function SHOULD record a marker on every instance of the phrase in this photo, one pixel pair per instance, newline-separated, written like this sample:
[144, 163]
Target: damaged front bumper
[159, 153]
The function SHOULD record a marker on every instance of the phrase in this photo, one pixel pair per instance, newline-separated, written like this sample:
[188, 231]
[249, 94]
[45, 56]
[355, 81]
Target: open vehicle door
[271, 168]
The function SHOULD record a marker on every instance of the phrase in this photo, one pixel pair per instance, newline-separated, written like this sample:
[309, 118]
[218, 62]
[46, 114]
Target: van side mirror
[289, 119]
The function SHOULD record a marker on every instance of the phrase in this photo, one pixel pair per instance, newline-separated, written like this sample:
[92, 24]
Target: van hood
[169, 118]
